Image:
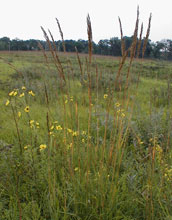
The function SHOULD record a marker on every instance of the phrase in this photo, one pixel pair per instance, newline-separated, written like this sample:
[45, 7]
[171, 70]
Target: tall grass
[76, 153]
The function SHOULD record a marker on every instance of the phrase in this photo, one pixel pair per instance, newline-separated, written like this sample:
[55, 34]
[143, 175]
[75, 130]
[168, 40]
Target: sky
[22, 18]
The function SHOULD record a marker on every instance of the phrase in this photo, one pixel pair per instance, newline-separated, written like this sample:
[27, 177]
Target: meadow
[84, 136]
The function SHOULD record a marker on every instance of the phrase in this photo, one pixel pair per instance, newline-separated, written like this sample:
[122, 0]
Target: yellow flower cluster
[55, 127]
[119, 111]
[74, 133]
[68, 99]
[168, 173]
[33, 124]
[159, 155]
[13, 93]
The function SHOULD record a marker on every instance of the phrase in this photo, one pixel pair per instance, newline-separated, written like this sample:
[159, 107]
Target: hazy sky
[23, 18]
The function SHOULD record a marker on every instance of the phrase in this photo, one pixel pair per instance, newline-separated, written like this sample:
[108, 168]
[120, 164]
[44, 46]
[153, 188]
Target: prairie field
[84, 137]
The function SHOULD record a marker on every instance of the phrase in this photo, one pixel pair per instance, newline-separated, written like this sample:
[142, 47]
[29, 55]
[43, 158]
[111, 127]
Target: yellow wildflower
[37, 124]
[52, 127]
[69, 146]
[19, 114]
[23, 88]
[51, 133]
[31, 122]
[159, 149]
[15, 93]
[66, 101]
[31, 93]
[118, 111]
[21, 95]
[105, 96]
[11, 93]
[123, 115]
[76, 169]
[26, 109]
[71, 98]
[117, 104]
[83, 132]
[25, 147]
[83, 140]
[7, 102]
[75, 133]
[69, 130]
[42, 147]
[58, 128]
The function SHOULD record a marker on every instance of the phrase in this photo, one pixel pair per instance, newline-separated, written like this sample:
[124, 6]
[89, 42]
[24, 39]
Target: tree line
[160, 49]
